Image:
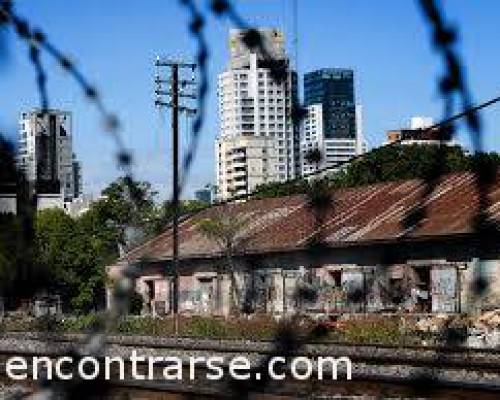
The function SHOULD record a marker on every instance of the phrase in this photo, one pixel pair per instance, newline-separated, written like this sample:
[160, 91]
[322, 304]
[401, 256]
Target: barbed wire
[452, 86]
[196, 28]
[37, 41]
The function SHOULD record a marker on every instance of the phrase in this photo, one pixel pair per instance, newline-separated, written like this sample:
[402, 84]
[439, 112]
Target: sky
[115, 43]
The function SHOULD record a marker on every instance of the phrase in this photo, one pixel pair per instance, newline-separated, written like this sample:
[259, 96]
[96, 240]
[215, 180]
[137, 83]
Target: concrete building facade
[437, 286]
[244, 162]
[419, 131]
[252, 103]
[46, 152]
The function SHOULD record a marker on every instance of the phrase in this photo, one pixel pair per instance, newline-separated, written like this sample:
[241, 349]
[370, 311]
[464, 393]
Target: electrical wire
[340, 164]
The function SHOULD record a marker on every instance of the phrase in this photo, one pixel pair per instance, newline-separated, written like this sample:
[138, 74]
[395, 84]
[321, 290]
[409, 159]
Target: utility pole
[173, 92]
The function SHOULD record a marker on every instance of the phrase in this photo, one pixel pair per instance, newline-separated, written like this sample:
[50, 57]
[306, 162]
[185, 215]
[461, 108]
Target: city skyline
[385, 84]
[266, 183]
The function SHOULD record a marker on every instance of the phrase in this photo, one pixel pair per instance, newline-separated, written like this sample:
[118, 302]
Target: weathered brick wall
[490, 271]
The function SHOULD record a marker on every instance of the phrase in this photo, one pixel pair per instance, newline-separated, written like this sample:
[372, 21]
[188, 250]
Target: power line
[339, 164]
[466, 112]
[440, 124]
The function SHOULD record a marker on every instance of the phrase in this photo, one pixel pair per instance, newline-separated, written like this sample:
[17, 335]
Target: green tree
[129, 202]
[76, 251]
[279, 189]
[125, 208]
[10, 225]
[396, 162]
[224, 228]
[57, 245]
[163, 214]
[9, 236]
[8, 171]
[390, 163]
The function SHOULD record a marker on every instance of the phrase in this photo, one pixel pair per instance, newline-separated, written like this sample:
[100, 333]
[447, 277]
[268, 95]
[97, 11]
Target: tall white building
[330, 151]
[46, 153]
[252, 103]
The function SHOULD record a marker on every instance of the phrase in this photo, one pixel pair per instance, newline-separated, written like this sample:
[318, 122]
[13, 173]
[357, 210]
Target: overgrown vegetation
[392, 163]
[373, 329]
[70, 254]
[361, 329]
[224, 228]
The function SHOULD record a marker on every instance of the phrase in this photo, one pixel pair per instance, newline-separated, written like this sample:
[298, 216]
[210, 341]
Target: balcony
[238, 186]
[240, 173]
[239, 162]
[238, 152]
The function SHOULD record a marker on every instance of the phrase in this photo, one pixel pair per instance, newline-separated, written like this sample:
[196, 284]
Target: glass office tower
[333, 88]
[333, 124]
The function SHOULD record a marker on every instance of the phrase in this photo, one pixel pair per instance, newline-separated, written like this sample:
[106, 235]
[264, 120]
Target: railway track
[424, 356]
[401, 367]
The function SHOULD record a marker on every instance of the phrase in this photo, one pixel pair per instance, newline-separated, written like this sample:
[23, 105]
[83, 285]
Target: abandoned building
[394, 246]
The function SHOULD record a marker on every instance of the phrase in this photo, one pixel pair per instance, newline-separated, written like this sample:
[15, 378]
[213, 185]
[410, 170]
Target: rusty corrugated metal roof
[352, 216]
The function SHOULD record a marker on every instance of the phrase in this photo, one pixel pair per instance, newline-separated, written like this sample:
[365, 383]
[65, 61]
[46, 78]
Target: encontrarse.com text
[175, 368]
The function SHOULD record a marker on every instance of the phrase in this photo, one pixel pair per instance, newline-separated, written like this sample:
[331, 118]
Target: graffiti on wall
[444, 289]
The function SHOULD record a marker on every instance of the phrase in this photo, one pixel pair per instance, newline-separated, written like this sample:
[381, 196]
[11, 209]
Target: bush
[82, 323]
[134, 325]
[204, 327]
[363, 329]
[46, 323]
[372, 329]
[135, 304]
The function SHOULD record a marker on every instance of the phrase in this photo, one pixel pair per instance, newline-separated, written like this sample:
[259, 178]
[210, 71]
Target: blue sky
[115, 43]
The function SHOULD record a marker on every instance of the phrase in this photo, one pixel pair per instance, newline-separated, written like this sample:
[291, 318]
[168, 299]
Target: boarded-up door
[444, 289]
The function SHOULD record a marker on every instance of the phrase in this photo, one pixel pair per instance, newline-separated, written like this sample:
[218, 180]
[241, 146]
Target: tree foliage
[279, 189]
[64, 249]
[390, 163]
[8, 172]
[10, 235]
[224, 228]
[76, 251]
[163, 214]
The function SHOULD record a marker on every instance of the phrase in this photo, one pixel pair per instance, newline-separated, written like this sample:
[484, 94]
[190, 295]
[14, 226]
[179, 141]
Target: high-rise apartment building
[245, 162]
[334, 122]
[46, 153]
[253, 104]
